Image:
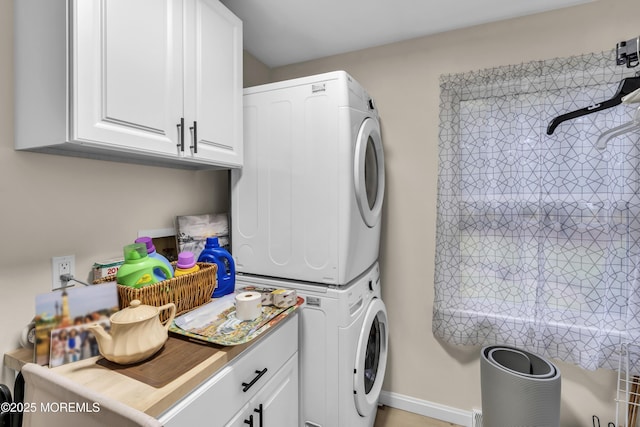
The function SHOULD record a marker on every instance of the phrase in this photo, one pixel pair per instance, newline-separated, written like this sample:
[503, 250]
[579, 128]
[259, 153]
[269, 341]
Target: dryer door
[369, 171]
[371, 358]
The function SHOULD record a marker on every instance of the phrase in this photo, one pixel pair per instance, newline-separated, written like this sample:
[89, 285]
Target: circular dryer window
[369, 171]
[371, 358]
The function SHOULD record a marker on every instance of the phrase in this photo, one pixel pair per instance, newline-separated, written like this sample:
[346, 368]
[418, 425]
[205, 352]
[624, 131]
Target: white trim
[426, 408]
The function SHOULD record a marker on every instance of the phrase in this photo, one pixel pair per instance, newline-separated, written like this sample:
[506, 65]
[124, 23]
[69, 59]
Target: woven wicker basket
[186, 292]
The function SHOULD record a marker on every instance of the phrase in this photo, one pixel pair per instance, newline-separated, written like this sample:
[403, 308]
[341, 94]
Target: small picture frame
[192, 231]
[62, 317]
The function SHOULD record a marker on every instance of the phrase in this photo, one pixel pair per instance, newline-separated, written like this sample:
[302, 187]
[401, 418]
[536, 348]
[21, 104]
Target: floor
[391, 417]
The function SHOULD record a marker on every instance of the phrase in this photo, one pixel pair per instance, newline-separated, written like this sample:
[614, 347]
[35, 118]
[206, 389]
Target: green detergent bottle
[139, 269]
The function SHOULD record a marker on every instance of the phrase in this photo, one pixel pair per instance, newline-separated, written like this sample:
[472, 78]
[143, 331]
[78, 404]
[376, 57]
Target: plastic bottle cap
[147, 241]
[186, 260]
[135, 252]
[212, 242]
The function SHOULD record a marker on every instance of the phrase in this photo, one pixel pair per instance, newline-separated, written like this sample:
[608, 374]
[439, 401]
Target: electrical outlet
[59, 266]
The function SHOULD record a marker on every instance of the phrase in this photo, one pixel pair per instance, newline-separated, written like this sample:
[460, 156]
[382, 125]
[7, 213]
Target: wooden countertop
[139, 395]
[17, 358]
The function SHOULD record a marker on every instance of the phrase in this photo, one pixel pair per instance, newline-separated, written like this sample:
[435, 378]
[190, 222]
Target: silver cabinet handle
[181, 134]
[194, 133]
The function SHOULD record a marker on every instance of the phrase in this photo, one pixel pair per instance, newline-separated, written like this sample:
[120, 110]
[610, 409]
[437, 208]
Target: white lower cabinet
[276, 404]
[259, 386]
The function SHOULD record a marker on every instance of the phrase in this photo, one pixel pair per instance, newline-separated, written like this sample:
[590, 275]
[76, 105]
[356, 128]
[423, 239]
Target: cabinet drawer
[222, 395]
[276, 404]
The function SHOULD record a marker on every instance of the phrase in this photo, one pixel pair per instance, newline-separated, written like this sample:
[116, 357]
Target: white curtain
[538, 236]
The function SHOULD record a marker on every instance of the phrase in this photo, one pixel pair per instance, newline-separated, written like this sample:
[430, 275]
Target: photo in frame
[62, 317]
[192, 231]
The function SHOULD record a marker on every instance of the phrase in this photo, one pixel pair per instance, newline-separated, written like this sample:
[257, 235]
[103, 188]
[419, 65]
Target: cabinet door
[279, 398]
[213, 82]
[230, 392]
[276, 404]
[127, 75]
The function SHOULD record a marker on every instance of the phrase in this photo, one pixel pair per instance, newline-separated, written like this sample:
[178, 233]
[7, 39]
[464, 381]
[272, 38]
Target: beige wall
[53, 206]
[403, 79]
[255, 72]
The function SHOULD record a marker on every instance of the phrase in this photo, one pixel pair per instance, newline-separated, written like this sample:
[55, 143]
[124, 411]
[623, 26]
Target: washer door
[369, 171]
[371, 358]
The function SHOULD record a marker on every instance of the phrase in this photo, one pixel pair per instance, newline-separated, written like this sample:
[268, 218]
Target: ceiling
[282, 32]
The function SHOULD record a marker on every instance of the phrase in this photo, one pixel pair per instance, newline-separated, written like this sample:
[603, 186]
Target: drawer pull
[246, 386]
[249, 421]
[259, 411]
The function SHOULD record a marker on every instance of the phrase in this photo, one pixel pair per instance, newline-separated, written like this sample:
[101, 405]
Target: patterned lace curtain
[538, 236]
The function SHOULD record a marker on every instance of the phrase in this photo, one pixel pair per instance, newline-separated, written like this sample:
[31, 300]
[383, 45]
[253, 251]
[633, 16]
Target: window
[538, 237]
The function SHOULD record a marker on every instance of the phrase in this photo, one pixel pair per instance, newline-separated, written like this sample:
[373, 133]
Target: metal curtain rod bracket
[628, 52]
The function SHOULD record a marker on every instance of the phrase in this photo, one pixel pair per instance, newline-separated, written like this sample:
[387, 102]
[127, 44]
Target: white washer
[307, 203]
[343, 340]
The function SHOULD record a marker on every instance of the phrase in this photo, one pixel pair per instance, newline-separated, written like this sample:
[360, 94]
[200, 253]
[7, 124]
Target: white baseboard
[426, 408]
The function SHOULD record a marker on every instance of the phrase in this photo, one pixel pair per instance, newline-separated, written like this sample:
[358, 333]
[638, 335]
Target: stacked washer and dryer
[306, 215]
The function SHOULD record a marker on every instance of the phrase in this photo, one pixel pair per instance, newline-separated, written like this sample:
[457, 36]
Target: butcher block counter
[172, 383]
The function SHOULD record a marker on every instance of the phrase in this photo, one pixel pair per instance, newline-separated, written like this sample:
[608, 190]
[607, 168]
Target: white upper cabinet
[151, 81]
[213, 94]
[127, 75]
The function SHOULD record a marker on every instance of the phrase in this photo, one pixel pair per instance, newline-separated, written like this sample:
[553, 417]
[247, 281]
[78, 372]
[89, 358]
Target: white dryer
[343, 339]
[307, 203]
